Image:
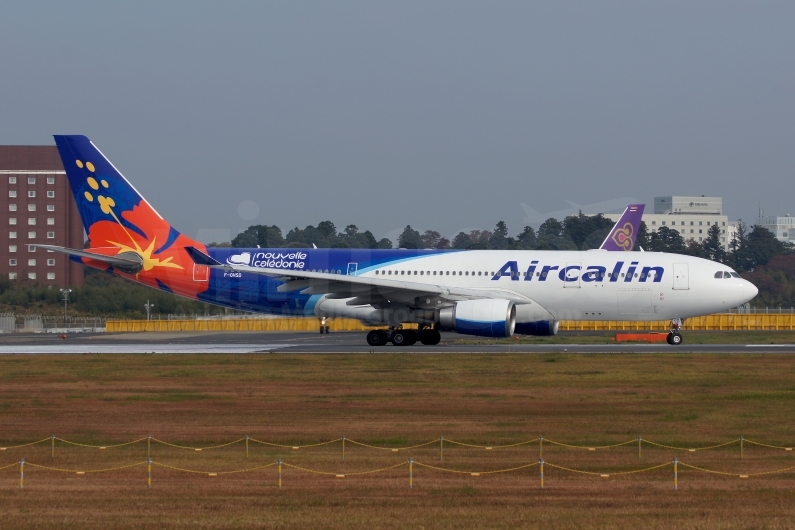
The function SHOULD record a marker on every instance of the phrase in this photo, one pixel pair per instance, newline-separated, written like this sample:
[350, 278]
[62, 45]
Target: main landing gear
[404, 337]
[674, 337]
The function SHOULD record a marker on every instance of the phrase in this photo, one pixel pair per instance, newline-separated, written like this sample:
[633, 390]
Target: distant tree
[462, 241]
[666, 240]
[479, 239]
[642, 241]
[712, 246]
[384, 243]
[262, 235]
[327, 228]
[499, 239]
[587, 231]
[527, 240]
[552, 237]
[430, 239]
[410, 238]
[757, 248]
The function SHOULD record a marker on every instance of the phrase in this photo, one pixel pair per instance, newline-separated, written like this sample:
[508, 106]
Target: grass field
[397, 400]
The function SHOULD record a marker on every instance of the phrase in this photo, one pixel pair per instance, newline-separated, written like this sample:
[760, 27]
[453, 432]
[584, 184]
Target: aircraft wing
[364, 290]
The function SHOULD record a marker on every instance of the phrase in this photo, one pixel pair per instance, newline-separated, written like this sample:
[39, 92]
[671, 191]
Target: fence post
[676, 474]
[149, 473]
[640, 441]
[540, 446]
[741, 447]
[247, 446]
[411, 473]
[541, 463]
[21, 472]
[148, 446]
[441, 448]
[52, 446]
[343, 449]
[279, 463]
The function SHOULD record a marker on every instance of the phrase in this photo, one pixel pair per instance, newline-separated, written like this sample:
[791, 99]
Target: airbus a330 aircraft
[491, 293]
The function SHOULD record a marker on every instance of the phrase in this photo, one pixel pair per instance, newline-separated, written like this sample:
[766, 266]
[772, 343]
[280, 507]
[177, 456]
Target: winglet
[625, 232]
[200, 258]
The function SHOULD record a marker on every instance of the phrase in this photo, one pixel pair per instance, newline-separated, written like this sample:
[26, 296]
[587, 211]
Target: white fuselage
[575, 285]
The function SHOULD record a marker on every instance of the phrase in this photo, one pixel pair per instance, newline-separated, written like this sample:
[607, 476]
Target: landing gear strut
[324, 326]
[674, 337]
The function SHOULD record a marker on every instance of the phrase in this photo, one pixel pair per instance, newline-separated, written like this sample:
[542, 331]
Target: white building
[690, 216]
[782, 227]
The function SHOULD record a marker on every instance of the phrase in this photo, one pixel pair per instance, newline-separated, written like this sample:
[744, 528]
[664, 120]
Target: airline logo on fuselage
[573, 272]
[269, 260]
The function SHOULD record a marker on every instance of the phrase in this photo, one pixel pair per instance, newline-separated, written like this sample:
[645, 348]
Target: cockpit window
[727, 274]
[735, 275]
[719, 274]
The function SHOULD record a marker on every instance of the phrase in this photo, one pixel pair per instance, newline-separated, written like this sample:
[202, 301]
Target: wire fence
[410, 465]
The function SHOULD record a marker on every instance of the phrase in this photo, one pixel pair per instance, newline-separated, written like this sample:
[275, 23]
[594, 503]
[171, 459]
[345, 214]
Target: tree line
[754, 252]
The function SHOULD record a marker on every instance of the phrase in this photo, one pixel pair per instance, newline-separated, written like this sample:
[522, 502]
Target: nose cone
[750, 291]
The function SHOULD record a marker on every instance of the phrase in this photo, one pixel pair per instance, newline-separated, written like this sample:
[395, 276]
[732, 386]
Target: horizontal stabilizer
[200, 258]
[128, 262]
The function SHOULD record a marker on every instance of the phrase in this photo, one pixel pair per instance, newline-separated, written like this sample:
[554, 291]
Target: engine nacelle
[484, 318]
[540, 327]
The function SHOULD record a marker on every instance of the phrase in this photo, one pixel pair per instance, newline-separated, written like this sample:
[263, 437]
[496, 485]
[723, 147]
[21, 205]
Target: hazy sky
[444, 115]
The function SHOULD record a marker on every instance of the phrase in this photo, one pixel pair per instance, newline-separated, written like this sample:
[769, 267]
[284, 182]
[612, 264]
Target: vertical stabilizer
[625, 232]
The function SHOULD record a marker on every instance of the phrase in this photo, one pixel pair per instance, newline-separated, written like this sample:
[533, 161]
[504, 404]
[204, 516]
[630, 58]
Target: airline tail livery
[492, 293]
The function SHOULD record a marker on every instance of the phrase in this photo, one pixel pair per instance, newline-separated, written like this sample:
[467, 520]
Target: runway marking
[770, 345]
[142, 348]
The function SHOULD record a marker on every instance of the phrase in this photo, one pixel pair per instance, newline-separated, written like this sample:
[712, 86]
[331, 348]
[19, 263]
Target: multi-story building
[39, 208]
[690, 216]
[782, 227]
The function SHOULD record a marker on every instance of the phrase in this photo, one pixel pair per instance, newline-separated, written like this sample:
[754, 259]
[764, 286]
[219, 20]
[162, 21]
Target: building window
[691, 230]
[50, 275]
[31, 235]
[50, 235]
[12, 248]
[31, 221]
[31, 248]
[51, 221]
[12, 193]
[12, 235]
[663, 223]
[31, 207]
[12, 275]
[50, 194]
[653, 223]
[32, 262]
[700, 223]
[31, 180]
[12, 220]
[31, 275]
[700, 231]
[31, 194]
[50, 180]
[691, 223]
[12, 207]
[12, 180]
[50, 262]
[50, 207]
[12, 262]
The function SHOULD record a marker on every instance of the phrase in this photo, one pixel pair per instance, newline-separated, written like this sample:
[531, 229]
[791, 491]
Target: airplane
[488, 293]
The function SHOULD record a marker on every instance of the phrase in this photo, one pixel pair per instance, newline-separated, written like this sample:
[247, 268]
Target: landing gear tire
[430, 337]
[404, 337]
[674, 339]
[377, 338]
[324, 329]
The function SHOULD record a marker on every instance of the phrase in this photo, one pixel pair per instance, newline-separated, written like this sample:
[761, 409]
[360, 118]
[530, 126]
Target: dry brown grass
[398, 399]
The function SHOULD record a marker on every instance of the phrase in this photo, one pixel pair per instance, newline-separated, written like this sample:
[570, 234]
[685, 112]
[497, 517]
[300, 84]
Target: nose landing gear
[674, 337]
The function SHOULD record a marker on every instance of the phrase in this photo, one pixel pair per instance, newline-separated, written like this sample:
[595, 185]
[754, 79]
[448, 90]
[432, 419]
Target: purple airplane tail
[625, 232]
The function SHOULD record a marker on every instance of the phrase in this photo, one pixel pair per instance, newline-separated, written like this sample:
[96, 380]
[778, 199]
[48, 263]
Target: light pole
[65, 292]
[148, 307]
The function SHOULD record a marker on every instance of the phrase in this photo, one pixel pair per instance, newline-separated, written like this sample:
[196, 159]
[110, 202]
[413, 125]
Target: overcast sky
[444, 115]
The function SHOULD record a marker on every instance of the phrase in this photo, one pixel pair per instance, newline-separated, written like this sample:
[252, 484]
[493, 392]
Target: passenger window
[719, 274]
